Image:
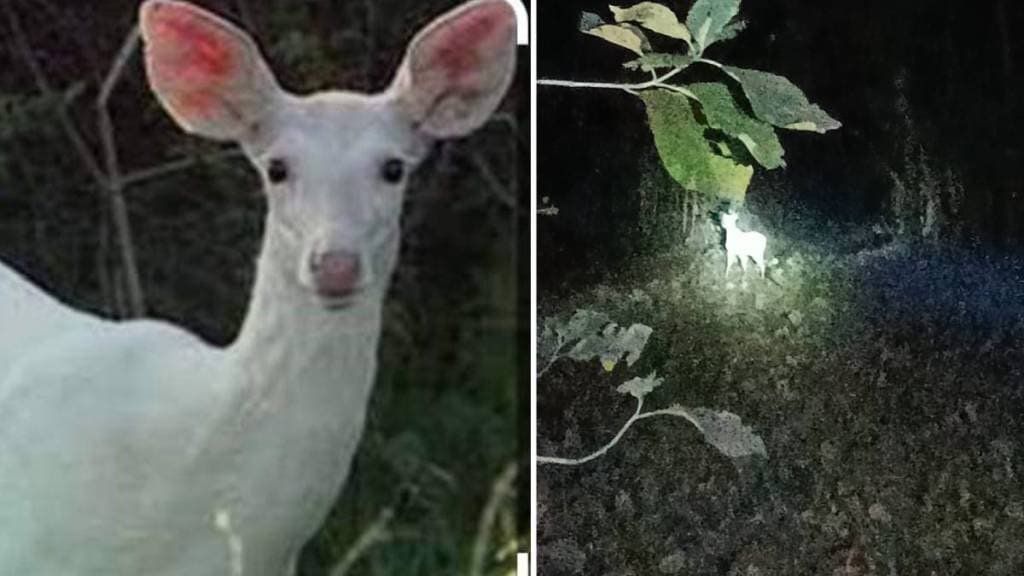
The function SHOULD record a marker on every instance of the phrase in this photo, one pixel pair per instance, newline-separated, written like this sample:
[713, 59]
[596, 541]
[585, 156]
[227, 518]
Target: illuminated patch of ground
[886, 383]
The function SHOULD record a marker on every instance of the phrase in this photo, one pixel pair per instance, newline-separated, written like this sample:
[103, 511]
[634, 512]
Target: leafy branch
[709, 135]
[589, 335]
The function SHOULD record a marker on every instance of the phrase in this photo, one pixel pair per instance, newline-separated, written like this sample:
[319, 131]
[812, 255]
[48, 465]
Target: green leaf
[779, 102]
[582, 324]
[656, 60]
[595, 336]
[655, 17]
[722, 113]
[625, 35]
[595, 345]
[549, 340]
[631, 343]
[708, 18]
[732, 30]
[612, 344]
[640, 387]
[726, 432]
[687, 154]
[590, 20]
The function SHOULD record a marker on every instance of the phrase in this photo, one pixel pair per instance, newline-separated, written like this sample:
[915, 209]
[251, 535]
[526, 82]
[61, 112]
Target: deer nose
[335, 273]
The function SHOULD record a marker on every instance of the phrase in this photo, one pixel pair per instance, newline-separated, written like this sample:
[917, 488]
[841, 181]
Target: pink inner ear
[458, 46]
[190, 53]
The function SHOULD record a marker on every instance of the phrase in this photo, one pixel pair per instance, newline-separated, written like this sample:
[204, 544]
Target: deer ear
[206, 73]
[457, 69]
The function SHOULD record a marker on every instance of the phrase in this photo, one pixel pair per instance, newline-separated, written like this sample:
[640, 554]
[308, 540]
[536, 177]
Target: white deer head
[335, 164]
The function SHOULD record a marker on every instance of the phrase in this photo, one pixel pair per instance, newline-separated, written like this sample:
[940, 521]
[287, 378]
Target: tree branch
[498, 190]
[115, 183]
[656, 82]
[21, 44]
[108, 180]
[637, 416]
[179, 165]
[602, 450]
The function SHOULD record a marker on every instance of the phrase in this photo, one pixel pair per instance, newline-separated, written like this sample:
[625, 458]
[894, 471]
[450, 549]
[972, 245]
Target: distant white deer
[740, 245]
[133, 448]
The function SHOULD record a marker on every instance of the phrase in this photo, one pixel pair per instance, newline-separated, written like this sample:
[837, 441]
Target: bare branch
[124, 55]
[498, 190]
[600, 452]
[115, 183]
[179, 165]
[21, 44]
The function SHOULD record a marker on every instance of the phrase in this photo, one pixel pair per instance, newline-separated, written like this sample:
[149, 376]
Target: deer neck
[295, 358]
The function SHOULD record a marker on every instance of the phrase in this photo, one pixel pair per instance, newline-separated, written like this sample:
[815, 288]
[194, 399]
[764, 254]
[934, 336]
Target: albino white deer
[133, 448]
[740, 245]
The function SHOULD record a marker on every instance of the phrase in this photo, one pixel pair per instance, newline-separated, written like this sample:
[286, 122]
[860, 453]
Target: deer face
[335, 170]
[334, 164]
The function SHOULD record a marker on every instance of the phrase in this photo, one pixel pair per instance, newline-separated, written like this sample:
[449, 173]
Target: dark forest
[878, 359]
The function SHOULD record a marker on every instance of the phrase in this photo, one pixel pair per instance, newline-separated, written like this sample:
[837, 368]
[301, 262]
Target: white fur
[131, 448]
[740, 245]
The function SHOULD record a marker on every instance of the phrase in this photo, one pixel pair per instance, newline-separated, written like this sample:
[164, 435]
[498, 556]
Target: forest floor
[884, 379]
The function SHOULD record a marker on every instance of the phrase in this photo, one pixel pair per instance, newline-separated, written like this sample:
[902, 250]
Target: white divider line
[522, 564]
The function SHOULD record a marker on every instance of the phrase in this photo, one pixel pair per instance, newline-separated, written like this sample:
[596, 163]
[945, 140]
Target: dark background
[443, 423]
[959, 63]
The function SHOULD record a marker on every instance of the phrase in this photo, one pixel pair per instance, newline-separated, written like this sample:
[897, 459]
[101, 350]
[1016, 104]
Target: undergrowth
[883, 378]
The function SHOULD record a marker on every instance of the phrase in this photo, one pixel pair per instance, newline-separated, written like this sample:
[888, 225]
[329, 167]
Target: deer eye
[392, 171]
[277, 171]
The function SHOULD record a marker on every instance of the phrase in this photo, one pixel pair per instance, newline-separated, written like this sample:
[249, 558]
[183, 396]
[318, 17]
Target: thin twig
[378, 532]
[657, 82]
[556, 355]
[498, 190]
[672, 412]
[637, 416]
[500, 490]
[555, 358]
[109, 181]
[124, 55]
[179, 165]
[600, 452]
[115, 183]
[82, 149]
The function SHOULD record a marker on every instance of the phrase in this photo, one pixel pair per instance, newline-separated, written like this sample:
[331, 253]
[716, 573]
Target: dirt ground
[884, 379]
